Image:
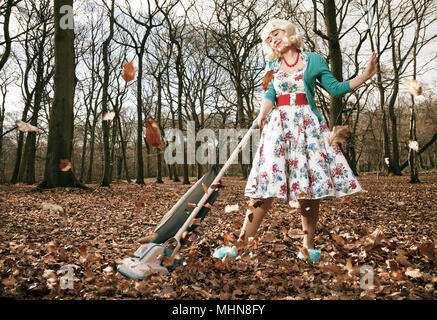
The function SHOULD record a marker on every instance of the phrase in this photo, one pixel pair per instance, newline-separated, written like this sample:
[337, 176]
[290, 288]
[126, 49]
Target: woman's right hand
[261, 122]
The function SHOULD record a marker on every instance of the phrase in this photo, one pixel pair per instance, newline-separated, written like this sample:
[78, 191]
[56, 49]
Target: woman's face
[275, 39]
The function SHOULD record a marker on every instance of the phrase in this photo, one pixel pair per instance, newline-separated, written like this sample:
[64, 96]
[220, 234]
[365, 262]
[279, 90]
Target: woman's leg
[253, 219]
[309, 210]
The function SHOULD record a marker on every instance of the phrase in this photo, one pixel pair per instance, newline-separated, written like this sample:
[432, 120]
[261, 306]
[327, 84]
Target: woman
[294, 160]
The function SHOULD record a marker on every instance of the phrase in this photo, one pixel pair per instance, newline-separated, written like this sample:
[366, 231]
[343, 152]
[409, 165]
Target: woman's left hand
[372, 66]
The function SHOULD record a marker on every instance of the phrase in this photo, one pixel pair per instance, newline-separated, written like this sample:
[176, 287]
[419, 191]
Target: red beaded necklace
[292, 65]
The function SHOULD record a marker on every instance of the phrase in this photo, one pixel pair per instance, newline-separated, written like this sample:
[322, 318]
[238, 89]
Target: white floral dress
[294, 159]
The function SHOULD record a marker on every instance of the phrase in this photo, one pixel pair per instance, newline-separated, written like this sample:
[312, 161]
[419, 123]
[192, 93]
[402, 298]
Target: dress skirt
[294, 160]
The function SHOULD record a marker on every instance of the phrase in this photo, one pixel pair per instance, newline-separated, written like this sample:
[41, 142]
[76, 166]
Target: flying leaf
[207, 205]
[216, 186]
[301, 194]
[196, 222]
[26, 127]
[65, 165]
[192, 205]
[153, 134]
[413, 145]
[108, 116]
[205, 188]
[267, 78]
[338, 135]
[413, 86]
[128, 72]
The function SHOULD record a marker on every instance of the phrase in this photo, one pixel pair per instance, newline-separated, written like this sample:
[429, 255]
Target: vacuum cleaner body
[149, 257]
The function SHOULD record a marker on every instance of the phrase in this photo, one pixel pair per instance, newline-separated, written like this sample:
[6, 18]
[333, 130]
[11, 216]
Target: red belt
[285, 99]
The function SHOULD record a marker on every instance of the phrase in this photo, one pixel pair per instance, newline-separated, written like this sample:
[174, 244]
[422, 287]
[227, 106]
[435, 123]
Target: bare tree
[61, 127]
[234, 32]
[145, 22]
[5, 10]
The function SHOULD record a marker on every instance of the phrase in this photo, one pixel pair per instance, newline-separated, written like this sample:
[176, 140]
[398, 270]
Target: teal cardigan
[316, 69]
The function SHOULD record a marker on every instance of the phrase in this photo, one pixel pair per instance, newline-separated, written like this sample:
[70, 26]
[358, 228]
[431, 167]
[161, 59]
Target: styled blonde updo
[291, 37]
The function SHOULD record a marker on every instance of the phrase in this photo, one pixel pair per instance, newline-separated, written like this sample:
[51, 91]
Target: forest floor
[390, 230]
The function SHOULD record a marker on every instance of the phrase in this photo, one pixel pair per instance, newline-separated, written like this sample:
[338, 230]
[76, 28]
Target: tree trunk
[30, 148]
[105, 123]
[159, 153]
[84, 145]
[6, 36]
[140, 164]
[335, 60]
[2, 119]
[60, 137]
[20, 144]
[422, 150]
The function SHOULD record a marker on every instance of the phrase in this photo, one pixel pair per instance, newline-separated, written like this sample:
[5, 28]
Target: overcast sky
[429, 80]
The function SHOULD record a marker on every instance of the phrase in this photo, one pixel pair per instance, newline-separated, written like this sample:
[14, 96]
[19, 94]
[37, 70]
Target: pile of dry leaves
[385, 235]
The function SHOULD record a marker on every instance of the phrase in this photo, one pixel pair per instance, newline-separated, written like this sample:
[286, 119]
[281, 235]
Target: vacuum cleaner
[161, 255]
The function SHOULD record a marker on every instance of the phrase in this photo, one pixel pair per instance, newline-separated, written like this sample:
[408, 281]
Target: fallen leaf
[332, 268]
[338, 239]
[395, 272]
[228, 237]
[279, 247]
[345, 199]
[233, 208]
[295, 233]
[305, 252]
[226, 258]
[168, 261]
[428, 250]
[414, 273]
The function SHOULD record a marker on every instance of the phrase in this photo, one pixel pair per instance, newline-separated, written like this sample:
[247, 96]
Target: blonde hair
[291, 37]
